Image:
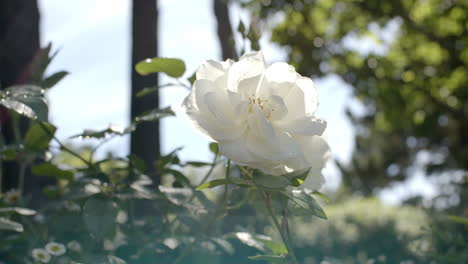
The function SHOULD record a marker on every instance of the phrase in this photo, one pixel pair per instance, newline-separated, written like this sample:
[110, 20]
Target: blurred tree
[407, 62]
[144, 141]
[224, 29]
[19, 43]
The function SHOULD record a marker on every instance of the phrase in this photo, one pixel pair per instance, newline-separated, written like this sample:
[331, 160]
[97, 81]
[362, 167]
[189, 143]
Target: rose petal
[212, 70]
[249, 65]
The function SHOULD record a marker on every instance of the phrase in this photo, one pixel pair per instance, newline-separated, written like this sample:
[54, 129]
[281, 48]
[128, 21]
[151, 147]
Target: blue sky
[94, 42]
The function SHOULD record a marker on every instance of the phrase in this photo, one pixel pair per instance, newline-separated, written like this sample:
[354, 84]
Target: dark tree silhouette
[145, 140]
[19, 42]
[224, 29]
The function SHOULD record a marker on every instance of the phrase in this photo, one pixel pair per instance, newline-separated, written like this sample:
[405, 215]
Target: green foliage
[39, 136]
[406, 61]
[49, 169]
[27, 100]
[170, 66]
[54, 79]
[213, 183]
[7, 224]
[155, 114]
[99, 216]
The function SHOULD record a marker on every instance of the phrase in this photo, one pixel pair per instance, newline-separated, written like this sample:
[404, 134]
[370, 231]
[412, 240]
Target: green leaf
[137, 162]
[297, 177]
[275, 247]
[305, 201]
[457, 219]
[111, 130]
[170, 66]
[213, 183]
[155, 114]
[49, 169]
[40, 63]
[198, 163]
[241, 28]
[39, 136]
[270, 258]
[99, 215]
[254, 35]
[321, 196]
[9, 152]
[7, 224]
[54, 79]
[150, 90]
[27, 100]
[214, 147]
[179, 176]
[17, 210]
[270, 182]
[192, 78]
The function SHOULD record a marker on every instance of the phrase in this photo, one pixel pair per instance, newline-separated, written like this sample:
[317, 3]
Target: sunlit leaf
[214, 148]
[155, 114]
[17, 210]
[275, 247]
[321, 196]
[150, 90]
[111, 130]
[7, 224]
[213, 183]
[27, 100]
[39, 136]
[192, 78]
[458, 219]
[170, 66]
[270, 258]
[52, 170]
[297, 177]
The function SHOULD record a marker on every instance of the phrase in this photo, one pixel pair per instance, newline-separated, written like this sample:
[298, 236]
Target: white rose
[262, 116]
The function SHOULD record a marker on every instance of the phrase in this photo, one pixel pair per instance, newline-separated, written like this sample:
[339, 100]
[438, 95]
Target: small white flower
[74, 246]
[72, 206]
[262, 116]
[12, 196]
[122, 217]
[55, 249]
[41, 255]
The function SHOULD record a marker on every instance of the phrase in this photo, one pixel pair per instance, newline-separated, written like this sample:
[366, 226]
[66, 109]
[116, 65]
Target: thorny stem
[16, 130]
[22, 171]
[2, 144]
[207, 175]
[278, 227]
[93, 151]
[64, 148]
[267, 200]
[228, 174]
[209, 223]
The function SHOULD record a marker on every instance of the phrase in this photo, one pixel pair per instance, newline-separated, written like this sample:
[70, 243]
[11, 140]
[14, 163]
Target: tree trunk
[144, 140]
[224, 30]
[19, 42]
